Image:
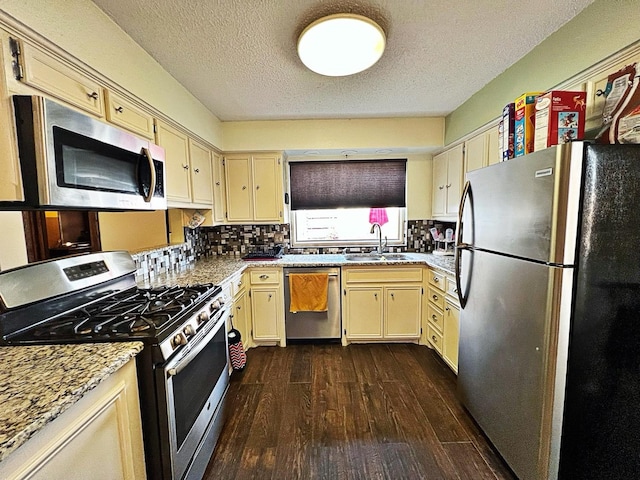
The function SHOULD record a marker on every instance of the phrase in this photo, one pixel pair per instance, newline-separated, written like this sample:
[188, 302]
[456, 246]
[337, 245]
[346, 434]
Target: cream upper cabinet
[447, 183]
[125, 114]
[176, 150]
[475, 153]
[219, 189]
[201, 170]
[254, 184]
[481, 150]
[188, 168]
[11, 179]
[60, 80]
[382, 303]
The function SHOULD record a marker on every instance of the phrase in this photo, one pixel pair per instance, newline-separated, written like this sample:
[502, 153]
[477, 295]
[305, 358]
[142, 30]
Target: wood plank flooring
[375, 411]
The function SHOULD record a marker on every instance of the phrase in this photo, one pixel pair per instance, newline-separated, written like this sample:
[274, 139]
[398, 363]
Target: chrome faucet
[380, 247]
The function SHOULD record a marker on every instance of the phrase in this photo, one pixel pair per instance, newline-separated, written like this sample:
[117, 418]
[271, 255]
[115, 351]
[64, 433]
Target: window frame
[340, 243]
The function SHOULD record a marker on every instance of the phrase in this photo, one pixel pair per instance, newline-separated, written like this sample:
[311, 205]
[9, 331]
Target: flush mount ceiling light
[341, 44]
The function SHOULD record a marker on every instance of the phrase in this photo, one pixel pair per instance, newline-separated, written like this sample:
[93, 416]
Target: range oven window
[193, 385]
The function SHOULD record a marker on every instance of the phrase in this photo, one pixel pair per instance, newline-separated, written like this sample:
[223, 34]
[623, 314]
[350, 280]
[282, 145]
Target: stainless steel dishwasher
[314, 325]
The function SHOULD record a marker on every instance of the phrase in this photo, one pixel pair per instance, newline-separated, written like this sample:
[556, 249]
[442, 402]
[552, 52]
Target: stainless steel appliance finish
[550, 302]
[71, 160]
[183, 370]
[314, 325]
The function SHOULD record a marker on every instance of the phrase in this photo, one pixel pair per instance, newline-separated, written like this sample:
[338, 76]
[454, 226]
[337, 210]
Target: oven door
[195, 385]
[84, 163]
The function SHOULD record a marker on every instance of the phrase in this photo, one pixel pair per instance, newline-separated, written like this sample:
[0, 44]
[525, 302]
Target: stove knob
[178, 340]
[203, 317]
[215, 305]
[188, 331]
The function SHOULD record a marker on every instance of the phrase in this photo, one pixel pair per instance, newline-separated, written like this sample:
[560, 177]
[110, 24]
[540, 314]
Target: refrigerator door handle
[466, 193]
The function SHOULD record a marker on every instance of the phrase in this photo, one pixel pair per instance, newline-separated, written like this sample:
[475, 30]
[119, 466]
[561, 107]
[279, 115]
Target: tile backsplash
[241, 239]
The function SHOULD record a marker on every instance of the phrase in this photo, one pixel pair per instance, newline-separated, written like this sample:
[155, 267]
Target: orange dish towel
[308, 292]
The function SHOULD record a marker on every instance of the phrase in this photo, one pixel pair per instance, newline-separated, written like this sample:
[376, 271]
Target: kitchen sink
[374, 257]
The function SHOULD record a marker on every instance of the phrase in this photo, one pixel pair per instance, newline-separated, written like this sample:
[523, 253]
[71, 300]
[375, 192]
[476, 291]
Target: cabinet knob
[599, 92]
[440, 187]
[257, 187]
[435, 319]
[446, 308]
[392, 295]
[435, 297]
[375, 296]
[264, 277]
[239, 307]
[448, 185]
[433, 337]
[119, 109]
[186, 167]
[196, 170]
[270, 295]
[436, 279]
[93, 95]
[218, 184]
[244, 187]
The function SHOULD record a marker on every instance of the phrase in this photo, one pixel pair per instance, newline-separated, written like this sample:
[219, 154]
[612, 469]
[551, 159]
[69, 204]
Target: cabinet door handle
[440, 187]
[119, 109]
[270, 295]
[186, 167]
[264, 277]
[392, 295]
[197, 170]
[446, 308]
[448, 185]
[375, 296]
[218, 184]
[93, 95]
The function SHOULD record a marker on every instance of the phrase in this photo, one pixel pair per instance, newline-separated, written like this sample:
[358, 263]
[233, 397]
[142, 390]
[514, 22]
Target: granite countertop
[39, 382]
[219, 268]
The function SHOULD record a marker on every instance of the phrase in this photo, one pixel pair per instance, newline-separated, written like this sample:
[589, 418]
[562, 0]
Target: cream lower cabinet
[382, 304]
[254, 186]
[443, 317]
[267, 306]
[105, 422]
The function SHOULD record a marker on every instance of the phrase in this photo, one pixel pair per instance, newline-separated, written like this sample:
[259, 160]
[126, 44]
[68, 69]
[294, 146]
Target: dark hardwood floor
[370, 411]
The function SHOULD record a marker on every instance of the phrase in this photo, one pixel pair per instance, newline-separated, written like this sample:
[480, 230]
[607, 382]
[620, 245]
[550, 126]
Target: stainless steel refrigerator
[548, 265]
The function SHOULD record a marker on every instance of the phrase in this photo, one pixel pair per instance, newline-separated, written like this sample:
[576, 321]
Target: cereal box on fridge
[559, 118]
[524, 123]
[508, 119]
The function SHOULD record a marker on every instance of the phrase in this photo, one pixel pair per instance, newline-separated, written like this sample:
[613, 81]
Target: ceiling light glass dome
[341, 44]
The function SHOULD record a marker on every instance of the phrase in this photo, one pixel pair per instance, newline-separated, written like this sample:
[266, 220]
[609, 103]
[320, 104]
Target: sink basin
[374, 257]
[363, 257]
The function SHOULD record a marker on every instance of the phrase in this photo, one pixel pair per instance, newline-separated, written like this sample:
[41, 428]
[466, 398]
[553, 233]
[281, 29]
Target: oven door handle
[182, 363]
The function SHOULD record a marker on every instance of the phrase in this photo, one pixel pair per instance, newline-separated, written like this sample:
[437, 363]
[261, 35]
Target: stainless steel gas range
[183, 370]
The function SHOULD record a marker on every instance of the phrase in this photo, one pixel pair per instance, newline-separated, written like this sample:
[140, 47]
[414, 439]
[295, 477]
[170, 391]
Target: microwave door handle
[152, 187]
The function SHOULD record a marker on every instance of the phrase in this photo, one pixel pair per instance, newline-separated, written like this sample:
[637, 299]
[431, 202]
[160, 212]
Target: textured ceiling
[239, 57]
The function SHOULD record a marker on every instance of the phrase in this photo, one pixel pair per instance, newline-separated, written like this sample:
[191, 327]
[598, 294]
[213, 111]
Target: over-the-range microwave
[70, 160]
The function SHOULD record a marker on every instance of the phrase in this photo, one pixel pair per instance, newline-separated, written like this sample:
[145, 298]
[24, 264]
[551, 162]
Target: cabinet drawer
[437, 280]
[51, 76]
[265, 277]
[436, 297]
[435, 338]
[237, 285]
[382, 275]
[435, 317]
[125, 114]
[452, 289]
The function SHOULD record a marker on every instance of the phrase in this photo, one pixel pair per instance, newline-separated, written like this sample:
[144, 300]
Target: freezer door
[528, 206]
[504, 369]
